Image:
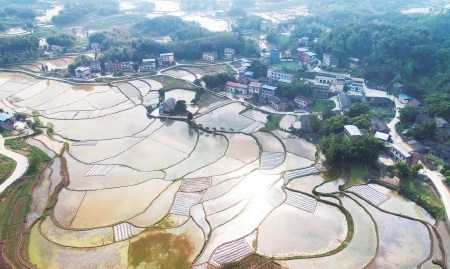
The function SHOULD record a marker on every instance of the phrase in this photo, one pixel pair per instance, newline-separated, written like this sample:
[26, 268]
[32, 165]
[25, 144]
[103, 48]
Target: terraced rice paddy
[132, 191]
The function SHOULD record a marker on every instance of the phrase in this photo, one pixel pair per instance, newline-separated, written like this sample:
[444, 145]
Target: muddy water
[180, 94]
[307, 184]
[320, 232]
[399, 248]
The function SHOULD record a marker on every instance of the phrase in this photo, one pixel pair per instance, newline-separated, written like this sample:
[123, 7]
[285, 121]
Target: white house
[148, 64]
[228, 54]
[399, 154]
[210, 56]
[82, 72]
[268, 91]
[126, 66]
[357, 84]
[254, 87]
[234, 87]
[275, 75]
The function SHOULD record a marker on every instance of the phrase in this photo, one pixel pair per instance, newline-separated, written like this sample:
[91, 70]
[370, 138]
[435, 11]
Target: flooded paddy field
[144, 192]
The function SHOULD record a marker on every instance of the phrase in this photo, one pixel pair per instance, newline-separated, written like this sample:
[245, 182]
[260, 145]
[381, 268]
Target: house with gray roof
[399, 154]
[352, 130]
[167, 106]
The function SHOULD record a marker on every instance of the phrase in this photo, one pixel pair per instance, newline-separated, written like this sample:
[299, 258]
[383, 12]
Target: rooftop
[414, 102]
[401, 151]
[167, 54]
[344, 100]
[440, 121]
[303, 49]
[275, 100]
[148, 61]
[270, 88]
[5, 116]
[306, 99]
[404, 96]
[382, 136]
[82, 68]
[255, 84]
[234, 84]
[169, 101]
[249, 73]
[352, 130]
[358, 80]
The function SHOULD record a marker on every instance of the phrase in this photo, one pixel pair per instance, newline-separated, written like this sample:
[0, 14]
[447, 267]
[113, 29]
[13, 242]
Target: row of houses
[212, 56]
[165, 59]
[264, 90]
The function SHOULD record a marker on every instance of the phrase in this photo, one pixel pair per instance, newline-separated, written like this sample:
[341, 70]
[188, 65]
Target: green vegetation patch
[253, 261]
[323, 105]
[207, 98]
[423, 195]
[7, 167]
[157, 248]
[383, 113]
[273, 122]
[358, 175]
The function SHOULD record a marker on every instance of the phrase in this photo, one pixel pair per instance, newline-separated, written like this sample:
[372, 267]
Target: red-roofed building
[234, 87]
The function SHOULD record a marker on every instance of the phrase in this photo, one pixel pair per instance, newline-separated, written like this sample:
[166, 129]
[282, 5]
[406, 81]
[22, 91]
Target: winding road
[21, 167]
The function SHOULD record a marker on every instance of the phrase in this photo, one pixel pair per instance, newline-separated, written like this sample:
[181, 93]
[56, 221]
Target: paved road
[21, 168]
[437, 178]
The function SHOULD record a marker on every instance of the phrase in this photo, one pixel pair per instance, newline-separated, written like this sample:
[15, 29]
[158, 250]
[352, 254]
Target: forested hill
[189, 41]
[411, 49]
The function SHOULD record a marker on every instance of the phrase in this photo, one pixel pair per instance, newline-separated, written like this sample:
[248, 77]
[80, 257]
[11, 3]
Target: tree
[64, 40]
[341, 149]
[357, 109]
[408, 114]
[180, 107]
[259, 69]
[402, 170]
[335, 124]
[424, 131]
[438, 104]
[433, 160]
[190, 116]
[362, 121]
[314, 122]
[50, 129]
[416, 168]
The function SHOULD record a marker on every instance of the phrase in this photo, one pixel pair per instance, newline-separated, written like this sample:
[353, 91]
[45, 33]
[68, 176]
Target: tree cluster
[339, 149]
[213, 81]
[20, 12]
[358, 114]
[291, 90]
[393, 47]
[63, 40]
[78, 10]
[11, 44]
[121, 45]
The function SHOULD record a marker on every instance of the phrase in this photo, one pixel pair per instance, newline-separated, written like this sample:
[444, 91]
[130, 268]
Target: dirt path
[21, 167]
